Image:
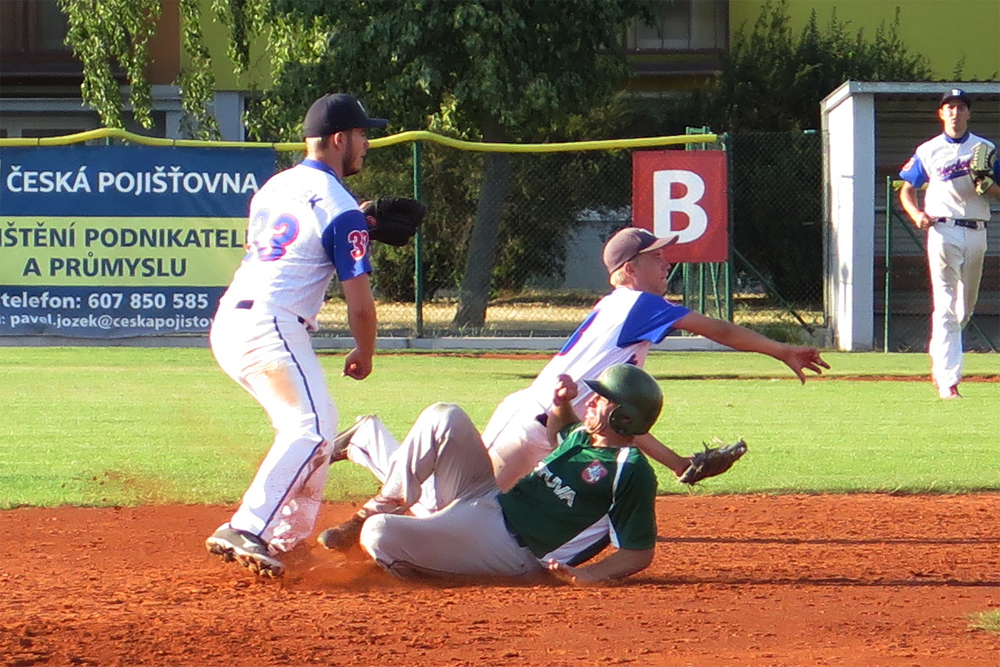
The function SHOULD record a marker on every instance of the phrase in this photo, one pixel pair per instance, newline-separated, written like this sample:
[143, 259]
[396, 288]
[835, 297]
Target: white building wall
[850, 129]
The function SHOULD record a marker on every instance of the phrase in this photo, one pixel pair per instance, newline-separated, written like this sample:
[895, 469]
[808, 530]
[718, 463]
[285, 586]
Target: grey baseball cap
[336, 112]
[629, 243]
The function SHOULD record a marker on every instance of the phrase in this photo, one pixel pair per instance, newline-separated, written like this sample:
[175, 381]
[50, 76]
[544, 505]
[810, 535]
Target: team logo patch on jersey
[593, 473]
[908, 165]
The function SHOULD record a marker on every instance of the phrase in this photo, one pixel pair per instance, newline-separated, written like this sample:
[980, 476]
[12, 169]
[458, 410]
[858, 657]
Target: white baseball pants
[955, 258]
[270, 355]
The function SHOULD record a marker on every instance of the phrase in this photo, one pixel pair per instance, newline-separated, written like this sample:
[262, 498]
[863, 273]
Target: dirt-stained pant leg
[372, 446]
[444, 443]
[468, 535]
[515, 439]
[277, 365]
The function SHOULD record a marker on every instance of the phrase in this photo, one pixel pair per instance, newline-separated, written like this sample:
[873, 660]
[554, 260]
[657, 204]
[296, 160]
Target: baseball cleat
[342, 537]
[248, 550]
[947, 393]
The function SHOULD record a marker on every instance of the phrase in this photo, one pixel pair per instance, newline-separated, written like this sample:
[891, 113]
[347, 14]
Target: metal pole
[727, 147]
[887, 284]
[701, 289]
[418, 264]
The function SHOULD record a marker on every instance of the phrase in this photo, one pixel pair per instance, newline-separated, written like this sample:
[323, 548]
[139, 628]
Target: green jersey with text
[578, 485]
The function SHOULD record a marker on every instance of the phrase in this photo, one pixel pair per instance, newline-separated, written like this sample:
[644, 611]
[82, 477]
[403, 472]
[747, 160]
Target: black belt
[247, 304]
[968, 224]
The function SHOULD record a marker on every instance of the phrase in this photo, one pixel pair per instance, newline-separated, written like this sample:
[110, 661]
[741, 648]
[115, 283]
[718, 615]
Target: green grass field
[121, 426]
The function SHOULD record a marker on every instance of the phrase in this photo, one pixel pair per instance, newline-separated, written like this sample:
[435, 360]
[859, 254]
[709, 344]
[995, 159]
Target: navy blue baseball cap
[955, 94]
[336, 112]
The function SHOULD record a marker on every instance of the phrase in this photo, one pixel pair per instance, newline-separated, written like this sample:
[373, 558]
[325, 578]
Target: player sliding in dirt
[595, 488]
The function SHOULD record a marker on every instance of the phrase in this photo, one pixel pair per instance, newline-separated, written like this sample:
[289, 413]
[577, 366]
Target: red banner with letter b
[683, 194]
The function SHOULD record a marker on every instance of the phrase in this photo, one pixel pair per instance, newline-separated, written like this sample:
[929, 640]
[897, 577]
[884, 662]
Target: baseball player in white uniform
[954, 216]
[303, 226]
[620, 329]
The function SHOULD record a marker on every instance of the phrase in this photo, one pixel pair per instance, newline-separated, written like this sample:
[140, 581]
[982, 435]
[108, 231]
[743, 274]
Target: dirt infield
[748, 581]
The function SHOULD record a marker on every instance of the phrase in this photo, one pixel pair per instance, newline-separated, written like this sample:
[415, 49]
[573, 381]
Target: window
[683, 25]
[31, 28]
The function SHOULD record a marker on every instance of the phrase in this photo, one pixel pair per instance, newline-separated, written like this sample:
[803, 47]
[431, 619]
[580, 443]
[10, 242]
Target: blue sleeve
[913, 172]
[346, 243]
[651, 318]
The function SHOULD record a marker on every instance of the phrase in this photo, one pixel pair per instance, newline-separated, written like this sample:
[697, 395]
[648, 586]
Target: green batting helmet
[637, 394]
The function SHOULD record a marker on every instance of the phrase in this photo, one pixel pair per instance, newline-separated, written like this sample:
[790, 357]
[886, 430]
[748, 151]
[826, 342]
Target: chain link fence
[557, 210]
[903, 288]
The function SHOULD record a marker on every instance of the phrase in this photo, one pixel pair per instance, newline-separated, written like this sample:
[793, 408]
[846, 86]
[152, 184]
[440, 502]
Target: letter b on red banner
[684, 194]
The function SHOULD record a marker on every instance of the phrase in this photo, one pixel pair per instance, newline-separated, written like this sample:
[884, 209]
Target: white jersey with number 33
[303, 225]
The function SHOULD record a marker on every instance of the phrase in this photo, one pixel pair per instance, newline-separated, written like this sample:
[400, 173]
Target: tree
[488, 70]
[776, 180]
[805, 69]
[110, 34]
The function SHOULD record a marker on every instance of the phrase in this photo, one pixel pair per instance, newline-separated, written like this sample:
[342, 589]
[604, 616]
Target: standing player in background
[303, 226]
[620, 329]
[954, 216]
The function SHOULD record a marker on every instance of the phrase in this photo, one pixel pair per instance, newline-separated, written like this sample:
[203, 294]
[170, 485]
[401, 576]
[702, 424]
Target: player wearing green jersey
[594, 482]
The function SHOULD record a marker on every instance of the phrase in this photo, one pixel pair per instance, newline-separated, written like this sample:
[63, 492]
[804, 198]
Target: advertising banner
[115, 241]
[684, 194]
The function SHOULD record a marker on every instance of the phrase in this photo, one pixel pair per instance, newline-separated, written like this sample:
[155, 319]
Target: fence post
[418, 264]
[689, 275]
[727, 146]
[888, 263]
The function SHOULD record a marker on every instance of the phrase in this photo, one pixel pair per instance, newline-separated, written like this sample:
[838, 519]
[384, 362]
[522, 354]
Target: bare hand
[566, 390]
[565, 573]
[923, 221]
[801, 358]
[357, 365]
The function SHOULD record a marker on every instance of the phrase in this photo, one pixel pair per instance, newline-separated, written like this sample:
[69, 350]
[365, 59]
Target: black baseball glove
[713, 461]
[393, 220]
[981, 166]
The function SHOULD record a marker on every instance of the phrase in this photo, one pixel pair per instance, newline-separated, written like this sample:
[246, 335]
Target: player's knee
[372, 536]
[442, 414]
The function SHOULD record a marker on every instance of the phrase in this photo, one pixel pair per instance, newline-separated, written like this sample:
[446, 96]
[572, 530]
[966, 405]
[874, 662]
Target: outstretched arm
[797, 357]
[649, 445]
[618, 565]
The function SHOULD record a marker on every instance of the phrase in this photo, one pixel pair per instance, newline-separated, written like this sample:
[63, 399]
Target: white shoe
[249, 550]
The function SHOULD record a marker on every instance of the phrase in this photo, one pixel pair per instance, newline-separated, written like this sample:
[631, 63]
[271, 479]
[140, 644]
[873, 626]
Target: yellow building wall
[216, 36]
[943, 31]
